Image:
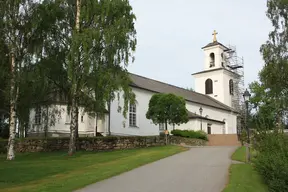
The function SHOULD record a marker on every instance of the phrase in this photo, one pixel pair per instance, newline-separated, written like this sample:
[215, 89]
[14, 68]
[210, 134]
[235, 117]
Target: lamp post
[201, 111]
[246, 97]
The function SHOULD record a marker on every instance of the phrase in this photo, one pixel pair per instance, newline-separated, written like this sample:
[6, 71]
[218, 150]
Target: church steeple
[215, 80]
[214, 53]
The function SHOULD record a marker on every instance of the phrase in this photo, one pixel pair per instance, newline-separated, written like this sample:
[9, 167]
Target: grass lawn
[243, 177]
[58, 172]
[239, 154]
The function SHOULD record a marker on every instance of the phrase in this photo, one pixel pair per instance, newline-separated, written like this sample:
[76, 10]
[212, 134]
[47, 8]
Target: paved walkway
[201, 169]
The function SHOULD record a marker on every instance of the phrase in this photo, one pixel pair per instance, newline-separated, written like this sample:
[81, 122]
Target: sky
[171, 33]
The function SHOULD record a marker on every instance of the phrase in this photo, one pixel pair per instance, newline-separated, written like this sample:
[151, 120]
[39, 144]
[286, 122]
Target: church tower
[218, 78]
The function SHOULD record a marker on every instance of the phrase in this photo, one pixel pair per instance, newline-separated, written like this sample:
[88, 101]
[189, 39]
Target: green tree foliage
[24, 25]
[270, 99]
[272, 160]
[271, 93]
[190, 89]
[167, 109]
[87, 53]
[274, 75]
[18, 35]
[265, 108]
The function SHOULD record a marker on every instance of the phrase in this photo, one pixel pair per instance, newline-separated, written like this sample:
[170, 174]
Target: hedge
[190, 134]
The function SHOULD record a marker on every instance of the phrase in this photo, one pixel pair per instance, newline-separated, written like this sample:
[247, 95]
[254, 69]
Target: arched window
[231, 87]
[208, 86]
[212, 59]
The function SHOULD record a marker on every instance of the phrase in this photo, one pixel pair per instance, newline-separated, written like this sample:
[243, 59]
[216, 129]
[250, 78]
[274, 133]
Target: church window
[212, 59]
[38, 115]
[209, 129]
[132, 115]
[68, 117]
[231, 87]
[208, 86]
[161, 127]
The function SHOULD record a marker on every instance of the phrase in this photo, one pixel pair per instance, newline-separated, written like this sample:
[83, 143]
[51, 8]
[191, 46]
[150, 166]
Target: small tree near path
[167, 109]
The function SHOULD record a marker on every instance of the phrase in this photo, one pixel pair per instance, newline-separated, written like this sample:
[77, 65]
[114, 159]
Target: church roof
[161, 87]
[216, 69]
[215, 44]
[195, 116]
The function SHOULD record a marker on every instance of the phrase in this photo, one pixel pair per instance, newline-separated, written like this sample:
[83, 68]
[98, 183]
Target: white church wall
[59, 122]
[195, 125]
[228, 98]
[192, 124]
[120, 125]
[216, 114]
[221, 90]
[217, 79]
[145, 127]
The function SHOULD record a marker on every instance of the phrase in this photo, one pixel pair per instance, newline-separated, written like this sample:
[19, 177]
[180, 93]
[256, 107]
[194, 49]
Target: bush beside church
[190, 134]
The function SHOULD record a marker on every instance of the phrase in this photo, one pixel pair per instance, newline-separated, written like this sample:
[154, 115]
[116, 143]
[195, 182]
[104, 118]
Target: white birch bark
[12, 123]
[74, 106]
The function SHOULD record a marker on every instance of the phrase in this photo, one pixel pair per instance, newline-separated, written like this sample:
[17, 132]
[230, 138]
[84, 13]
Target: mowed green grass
[239, 154]
[243, 177]
[59, 172]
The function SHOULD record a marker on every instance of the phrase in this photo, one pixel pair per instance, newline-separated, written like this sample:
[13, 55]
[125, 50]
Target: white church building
[210, 105]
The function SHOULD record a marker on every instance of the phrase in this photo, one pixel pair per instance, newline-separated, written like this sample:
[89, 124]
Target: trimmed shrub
[190, 134]
[272, 160]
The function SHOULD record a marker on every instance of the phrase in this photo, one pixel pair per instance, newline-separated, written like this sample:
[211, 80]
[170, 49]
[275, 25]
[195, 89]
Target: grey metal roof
[216, 69]
[196, 116]
[214, 44]
[192, 96]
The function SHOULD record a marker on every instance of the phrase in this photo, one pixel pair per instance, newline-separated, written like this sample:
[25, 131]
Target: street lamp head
[200, 110]
[246, 95]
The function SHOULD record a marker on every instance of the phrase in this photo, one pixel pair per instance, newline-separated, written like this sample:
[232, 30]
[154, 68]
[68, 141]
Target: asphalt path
[200, 169]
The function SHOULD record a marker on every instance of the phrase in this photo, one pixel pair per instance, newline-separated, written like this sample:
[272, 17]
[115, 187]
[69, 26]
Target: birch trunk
[73, 126]
[96, 126]
[77, 118]
[12, 120]
[77, 27]
[74, 106]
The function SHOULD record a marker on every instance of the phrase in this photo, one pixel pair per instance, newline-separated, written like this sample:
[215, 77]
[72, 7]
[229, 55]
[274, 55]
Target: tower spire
[214, 36]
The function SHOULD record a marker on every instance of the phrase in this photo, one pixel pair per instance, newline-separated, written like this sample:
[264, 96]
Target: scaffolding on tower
[235, 64]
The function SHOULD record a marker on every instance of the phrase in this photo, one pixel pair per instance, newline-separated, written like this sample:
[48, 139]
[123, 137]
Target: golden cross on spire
[214, 36]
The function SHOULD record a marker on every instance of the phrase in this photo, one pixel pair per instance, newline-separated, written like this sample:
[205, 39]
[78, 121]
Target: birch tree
[18, 32]
[273, 76]
[104, 38]
[90, 48]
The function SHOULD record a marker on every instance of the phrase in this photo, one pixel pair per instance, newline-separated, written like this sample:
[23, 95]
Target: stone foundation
[97, 143]
[56, 135]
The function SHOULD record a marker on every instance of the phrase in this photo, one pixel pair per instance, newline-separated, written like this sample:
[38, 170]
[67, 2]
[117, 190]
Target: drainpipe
[95, 130]
[109, 118]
